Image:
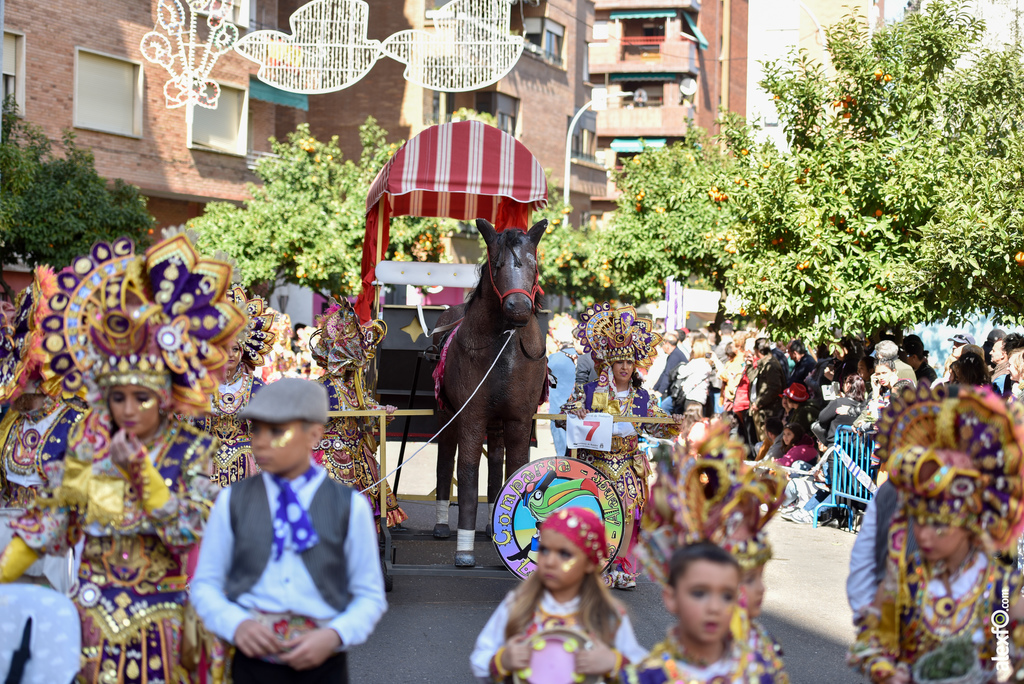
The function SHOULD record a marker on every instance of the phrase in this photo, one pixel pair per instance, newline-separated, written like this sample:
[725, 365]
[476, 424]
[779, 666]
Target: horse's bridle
[532, 294]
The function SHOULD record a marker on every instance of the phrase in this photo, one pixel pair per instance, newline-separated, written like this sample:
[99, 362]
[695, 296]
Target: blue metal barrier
[852, 473]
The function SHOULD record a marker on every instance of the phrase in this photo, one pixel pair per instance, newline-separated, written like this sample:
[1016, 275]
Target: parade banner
[593, 431]
[539, 489]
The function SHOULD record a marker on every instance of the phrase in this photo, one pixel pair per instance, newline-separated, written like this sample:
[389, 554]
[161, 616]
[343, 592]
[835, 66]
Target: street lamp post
[568, 142]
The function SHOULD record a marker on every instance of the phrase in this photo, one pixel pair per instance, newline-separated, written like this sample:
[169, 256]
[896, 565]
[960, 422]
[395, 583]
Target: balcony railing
[253, 157]
[642, 40]
[643, 54]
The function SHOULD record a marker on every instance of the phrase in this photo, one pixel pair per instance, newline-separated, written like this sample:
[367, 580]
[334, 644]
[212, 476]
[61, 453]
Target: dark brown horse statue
[505, 303]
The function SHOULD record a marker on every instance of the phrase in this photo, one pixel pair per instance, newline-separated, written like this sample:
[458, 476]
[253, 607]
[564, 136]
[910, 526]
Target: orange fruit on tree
[1019, 258]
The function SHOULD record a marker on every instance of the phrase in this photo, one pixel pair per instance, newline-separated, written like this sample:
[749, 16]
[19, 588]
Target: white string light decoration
[190, 60]
[327, 51]
[471, 47]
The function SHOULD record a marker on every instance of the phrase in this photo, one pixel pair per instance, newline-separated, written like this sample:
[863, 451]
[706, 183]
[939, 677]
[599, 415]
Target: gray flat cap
[286, 400]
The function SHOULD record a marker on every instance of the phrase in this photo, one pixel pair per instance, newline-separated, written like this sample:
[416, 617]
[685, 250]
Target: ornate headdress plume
[161, 321]
[340, 342]
[713, 497]
[257, 337]
[23, 356]
[957, 456]
[610, 335]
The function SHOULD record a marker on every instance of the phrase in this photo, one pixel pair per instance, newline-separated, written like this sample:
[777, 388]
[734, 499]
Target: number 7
[593, 425]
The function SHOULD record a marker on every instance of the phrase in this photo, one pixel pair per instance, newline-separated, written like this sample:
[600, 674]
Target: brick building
[534, 102]
[79, 66]
[682, 60]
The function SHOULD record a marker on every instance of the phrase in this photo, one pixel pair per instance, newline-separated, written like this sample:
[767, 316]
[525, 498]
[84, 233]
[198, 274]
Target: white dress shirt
[286, 585]
[861, 585]
[492, 637]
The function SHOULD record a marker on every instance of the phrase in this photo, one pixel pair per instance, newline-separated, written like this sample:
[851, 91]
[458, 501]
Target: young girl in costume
[956, 455]
[343, 348]
[246, 353]
[565, 591]
[619, 343]
[135, 481]
[703, 535]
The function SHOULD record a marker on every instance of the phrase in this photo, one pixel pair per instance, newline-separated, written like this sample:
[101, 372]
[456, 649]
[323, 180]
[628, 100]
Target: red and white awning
[465, 170]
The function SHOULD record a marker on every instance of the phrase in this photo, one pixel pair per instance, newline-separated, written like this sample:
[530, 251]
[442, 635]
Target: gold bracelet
[498, 667]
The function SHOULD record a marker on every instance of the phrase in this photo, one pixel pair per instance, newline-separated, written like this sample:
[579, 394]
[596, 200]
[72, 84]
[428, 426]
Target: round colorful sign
[535, 492]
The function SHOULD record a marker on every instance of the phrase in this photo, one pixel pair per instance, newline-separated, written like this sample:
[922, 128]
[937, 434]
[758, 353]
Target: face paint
[567, 565]
[283, 439]
[148, 404]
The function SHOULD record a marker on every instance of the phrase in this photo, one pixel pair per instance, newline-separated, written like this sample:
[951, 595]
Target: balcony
[644, 122]
[693, 5]
[644, 54]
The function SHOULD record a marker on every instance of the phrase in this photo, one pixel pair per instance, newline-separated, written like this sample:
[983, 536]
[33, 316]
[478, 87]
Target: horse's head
[512, 269]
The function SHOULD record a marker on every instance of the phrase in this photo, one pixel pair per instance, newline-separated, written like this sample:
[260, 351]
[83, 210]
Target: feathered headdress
[610, 335]
[713, 497]
[162, 321]
[340, 342]
[957, 456]
[257, 337]
[23, 356]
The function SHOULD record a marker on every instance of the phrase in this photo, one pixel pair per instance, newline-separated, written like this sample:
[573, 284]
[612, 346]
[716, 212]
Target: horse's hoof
[442, 531]
[464, 559]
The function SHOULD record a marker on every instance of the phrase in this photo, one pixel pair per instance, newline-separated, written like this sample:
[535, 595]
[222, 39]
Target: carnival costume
[712, 497]
[343, 348]
[611, 335]
[161, 322]
[234, 461]
[586, 531]
[30, 440]
[956, 456]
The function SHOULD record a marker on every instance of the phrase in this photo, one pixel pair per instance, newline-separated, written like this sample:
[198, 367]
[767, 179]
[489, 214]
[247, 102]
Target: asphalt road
[432, 622]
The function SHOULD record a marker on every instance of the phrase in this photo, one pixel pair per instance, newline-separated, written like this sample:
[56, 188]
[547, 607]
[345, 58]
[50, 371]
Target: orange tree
[674, 218]
[569, 261]
[305, 224]
[898, 198]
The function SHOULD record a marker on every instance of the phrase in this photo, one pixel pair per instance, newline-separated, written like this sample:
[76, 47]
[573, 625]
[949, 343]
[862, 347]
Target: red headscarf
[584, 529]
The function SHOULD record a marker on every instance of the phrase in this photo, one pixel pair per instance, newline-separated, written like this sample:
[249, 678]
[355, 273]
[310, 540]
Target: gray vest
[886, 502]
[251, 522]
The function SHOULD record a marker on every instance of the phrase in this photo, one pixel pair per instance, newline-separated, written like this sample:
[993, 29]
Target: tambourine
[553, 658]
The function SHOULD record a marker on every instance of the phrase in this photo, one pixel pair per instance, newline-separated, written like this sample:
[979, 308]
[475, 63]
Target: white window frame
[241, 13]
[19, 69]
[242, 143]
[138, 100]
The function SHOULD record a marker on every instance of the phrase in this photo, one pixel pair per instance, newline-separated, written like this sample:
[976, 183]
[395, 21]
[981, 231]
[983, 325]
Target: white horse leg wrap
[465, 540]
[442, 512]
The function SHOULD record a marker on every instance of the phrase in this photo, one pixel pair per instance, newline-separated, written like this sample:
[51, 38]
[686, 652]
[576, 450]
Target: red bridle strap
[532, 294]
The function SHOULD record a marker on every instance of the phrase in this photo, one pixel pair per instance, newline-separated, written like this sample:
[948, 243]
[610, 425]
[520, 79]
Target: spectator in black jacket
[670, 346]
[841, 411]
[917, 358]
[804, 363]
[768, 383]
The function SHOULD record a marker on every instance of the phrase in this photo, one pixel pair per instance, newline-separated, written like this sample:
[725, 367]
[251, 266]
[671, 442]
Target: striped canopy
[464, 170]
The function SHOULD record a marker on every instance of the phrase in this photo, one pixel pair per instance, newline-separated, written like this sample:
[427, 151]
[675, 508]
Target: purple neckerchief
[640, 399]
[291, 517]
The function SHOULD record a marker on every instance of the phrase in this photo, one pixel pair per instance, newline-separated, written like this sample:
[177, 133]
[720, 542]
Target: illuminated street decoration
[471, 47]
[188, 59]
[327, 50]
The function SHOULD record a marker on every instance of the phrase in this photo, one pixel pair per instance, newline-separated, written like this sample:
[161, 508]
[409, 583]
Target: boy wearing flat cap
[289, 570]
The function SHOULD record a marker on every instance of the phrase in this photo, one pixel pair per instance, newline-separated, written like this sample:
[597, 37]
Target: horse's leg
[447, 442]
[517, 443]
[472, 431]
[495, 469]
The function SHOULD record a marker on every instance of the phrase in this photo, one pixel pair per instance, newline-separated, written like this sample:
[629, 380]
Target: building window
[242, 12]
[108, 94]
[584, 138]
[223, 129]
[504, 108]
[545, 37]
[14, 69]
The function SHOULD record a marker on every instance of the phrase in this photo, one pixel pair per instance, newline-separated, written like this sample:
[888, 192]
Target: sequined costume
[234, 460]
[343, 348]
[707, 494]
[956, 456]
[161, 322]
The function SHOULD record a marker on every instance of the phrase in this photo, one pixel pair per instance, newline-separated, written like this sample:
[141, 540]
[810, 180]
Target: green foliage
[53, 206]
[673, 219]
[305, 225]
[897, 201]
[953, 659]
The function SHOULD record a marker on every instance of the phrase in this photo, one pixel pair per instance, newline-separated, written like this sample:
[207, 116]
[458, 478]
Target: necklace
[21, 450]
[230, 403]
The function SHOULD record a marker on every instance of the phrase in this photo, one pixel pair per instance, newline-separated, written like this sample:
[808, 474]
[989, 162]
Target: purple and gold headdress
[162, 321]
[610, 335]
[257, 337]
[23, 356]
